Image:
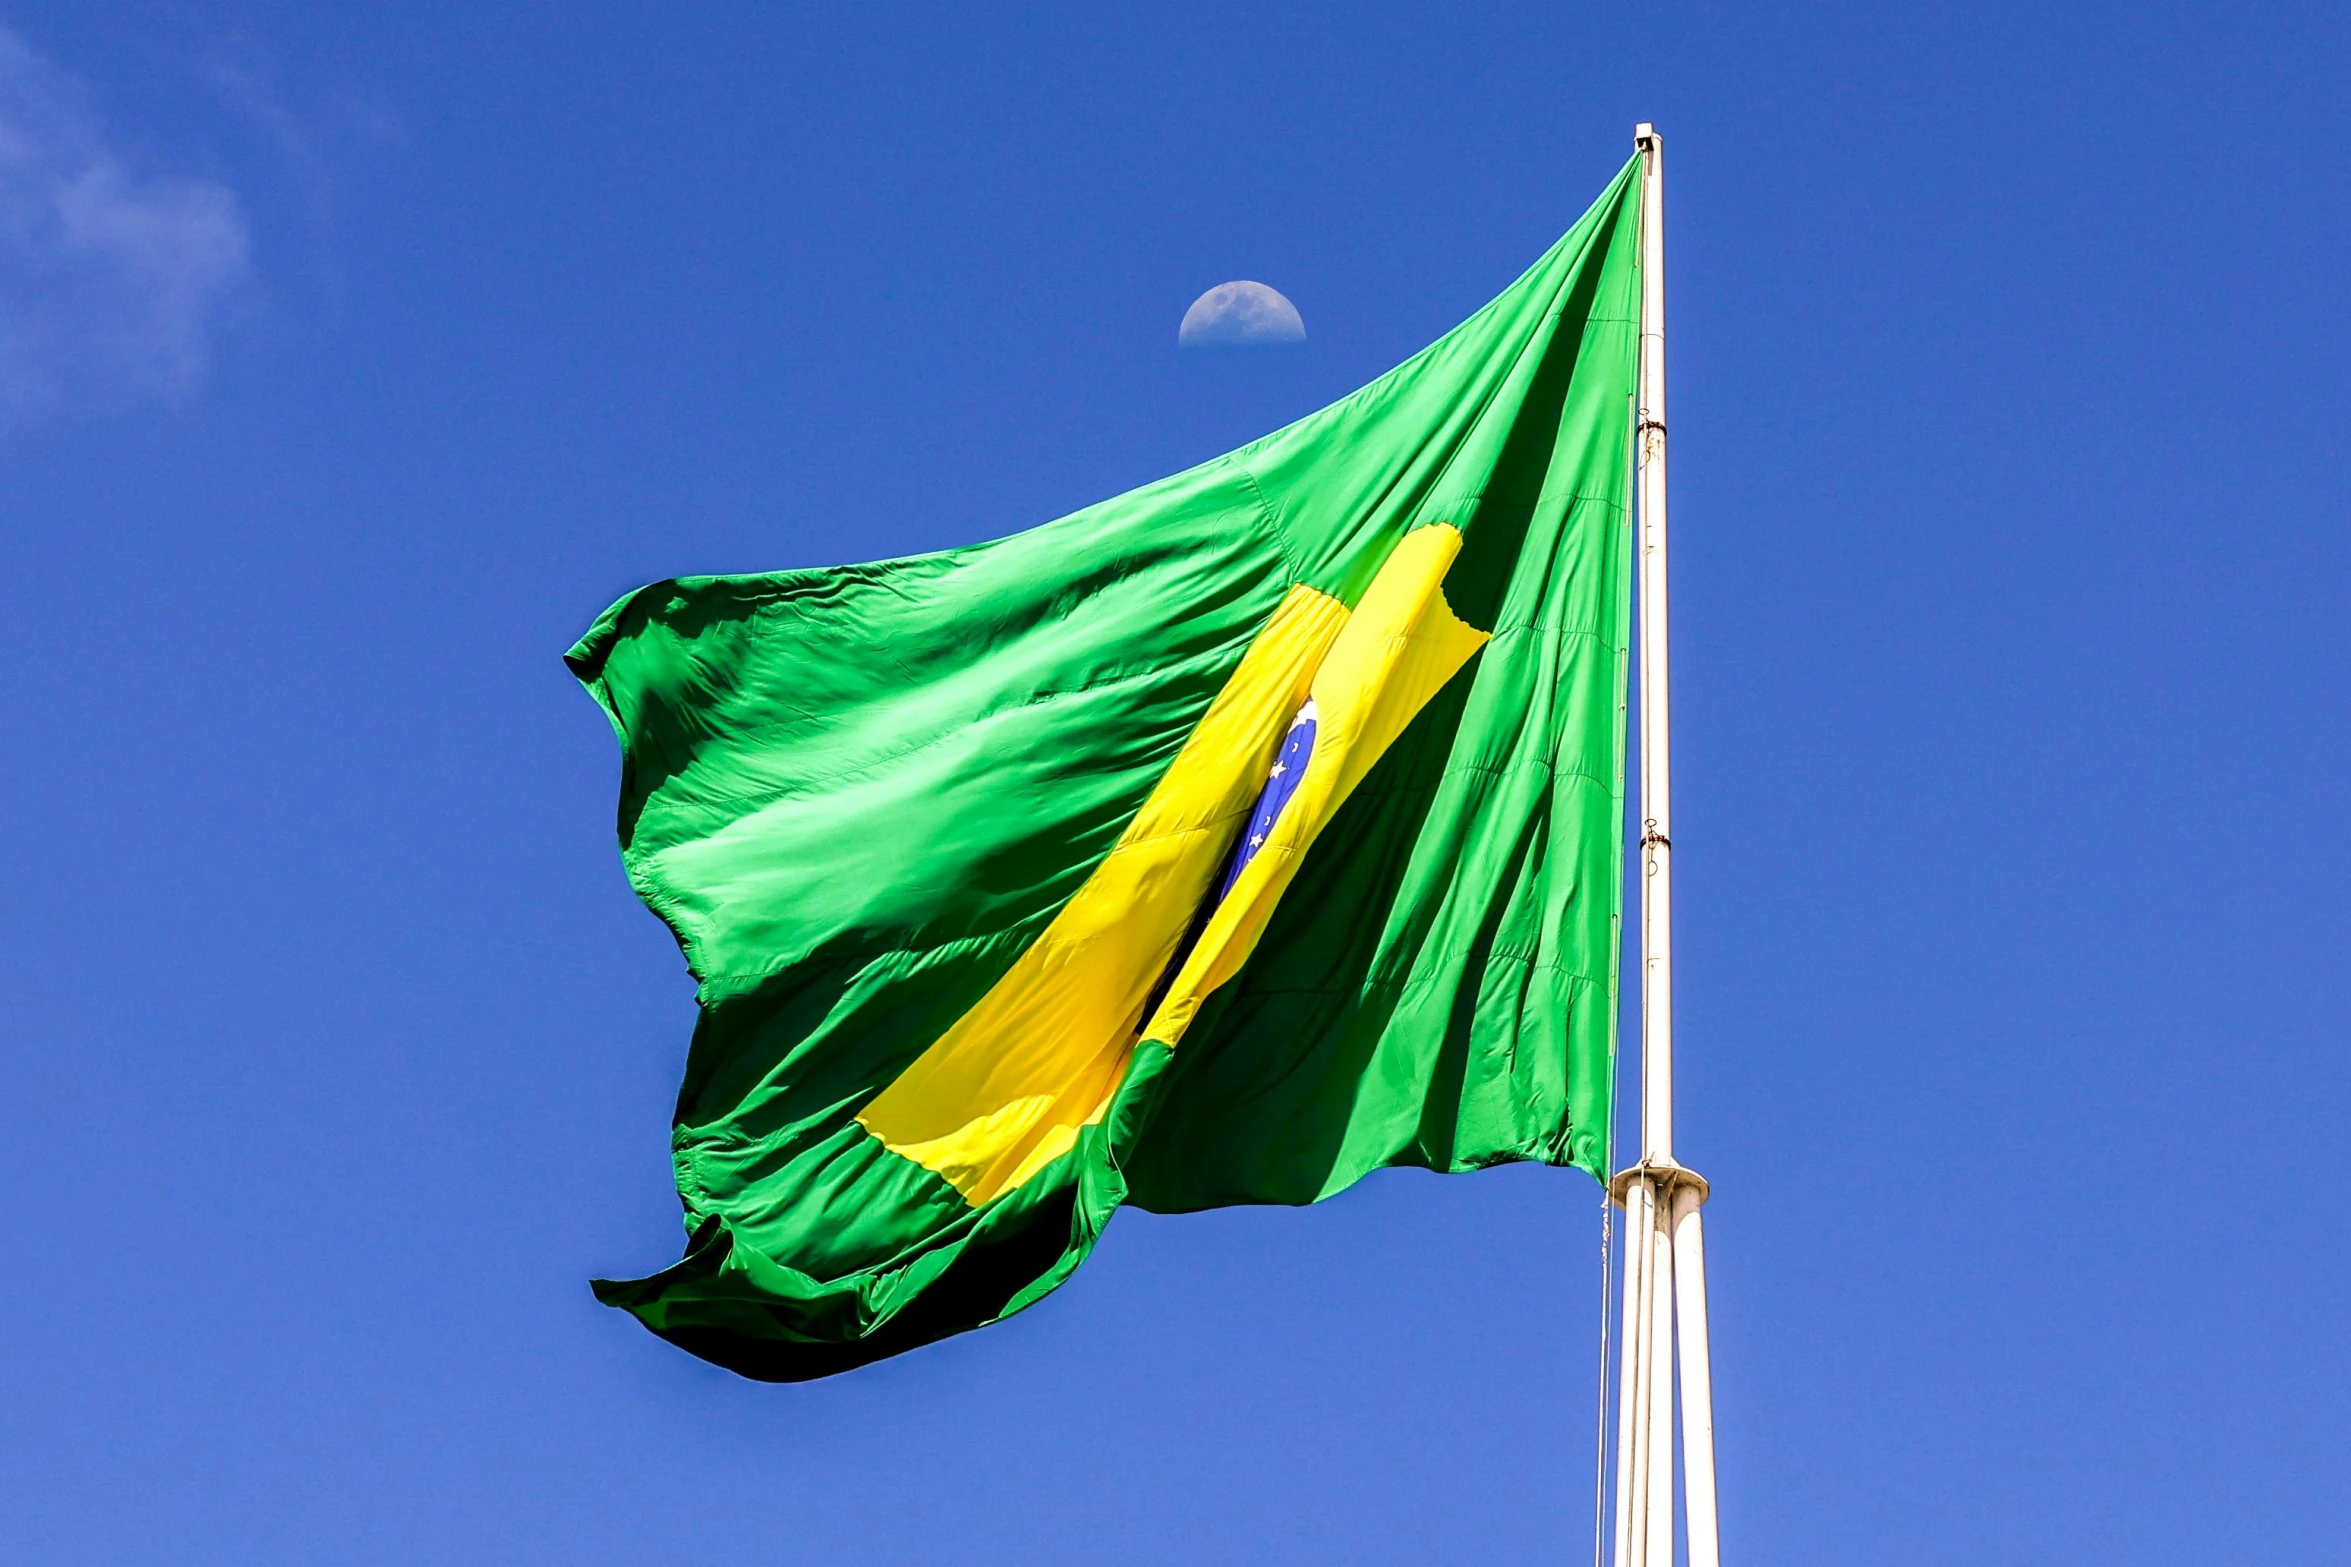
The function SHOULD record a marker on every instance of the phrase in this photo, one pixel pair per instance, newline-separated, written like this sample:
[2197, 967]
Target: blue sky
[352, 358]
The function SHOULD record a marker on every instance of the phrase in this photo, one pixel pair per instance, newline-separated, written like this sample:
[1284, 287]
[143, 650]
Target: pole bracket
[1663, 1175]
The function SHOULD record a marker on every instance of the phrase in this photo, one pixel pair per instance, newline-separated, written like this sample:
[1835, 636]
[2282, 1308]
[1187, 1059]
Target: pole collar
[1665, 1176]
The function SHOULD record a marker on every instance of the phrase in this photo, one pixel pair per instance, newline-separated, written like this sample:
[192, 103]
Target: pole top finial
[1645, 136]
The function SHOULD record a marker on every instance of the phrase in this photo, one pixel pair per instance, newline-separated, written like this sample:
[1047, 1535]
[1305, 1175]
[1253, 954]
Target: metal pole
[1656, 731]
[1661, 1198]
[1658, 1459]
[1632, 1428]
[1689, 1266]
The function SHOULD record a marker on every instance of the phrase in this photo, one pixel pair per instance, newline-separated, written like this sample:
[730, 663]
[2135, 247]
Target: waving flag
[1219, 843]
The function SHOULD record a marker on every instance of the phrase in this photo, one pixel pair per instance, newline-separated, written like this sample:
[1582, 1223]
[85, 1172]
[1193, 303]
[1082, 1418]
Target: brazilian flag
[1216, 844]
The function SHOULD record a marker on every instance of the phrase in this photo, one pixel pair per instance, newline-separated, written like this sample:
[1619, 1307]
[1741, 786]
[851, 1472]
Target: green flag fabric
[1219, 843]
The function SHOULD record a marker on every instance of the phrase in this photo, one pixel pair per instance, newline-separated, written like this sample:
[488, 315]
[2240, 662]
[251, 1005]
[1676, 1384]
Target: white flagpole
[1632, 1426]
[1689, 1262]
[1660, 1197]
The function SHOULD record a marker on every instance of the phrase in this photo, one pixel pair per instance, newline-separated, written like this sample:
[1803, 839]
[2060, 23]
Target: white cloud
[109, 280]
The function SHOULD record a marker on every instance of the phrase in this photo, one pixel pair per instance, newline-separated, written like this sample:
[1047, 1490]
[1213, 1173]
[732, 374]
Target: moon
[1240, 315]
